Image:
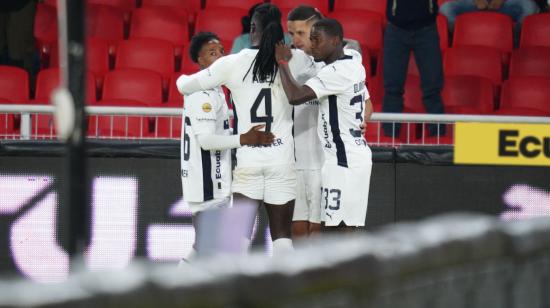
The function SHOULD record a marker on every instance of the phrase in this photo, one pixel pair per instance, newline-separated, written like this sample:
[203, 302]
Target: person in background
[243, 41]
[16, 34]
[517, 9]
[412, 28]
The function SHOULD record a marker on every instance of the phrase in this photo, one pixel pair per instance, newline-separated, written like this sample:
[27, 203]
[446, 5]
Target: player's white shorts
[345, 194]
[272, 184]
[307, 206]
[213, 204]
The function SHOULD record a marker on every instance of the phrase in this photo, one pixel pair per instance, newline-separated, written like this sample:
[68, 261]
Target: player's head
[326, 38]
[205, 48]
[265, 32]
[299, 21]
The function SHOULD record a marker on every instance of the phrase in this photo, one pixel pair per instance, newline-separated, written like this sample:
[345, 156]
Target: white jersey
[340, 88]
[206, 175]
[309, 151]
[258, 103]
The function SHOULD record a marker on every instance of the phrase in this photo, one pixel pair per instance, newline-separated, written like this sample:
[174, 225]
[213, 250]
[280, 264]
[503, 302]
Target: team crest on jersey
[206, 107]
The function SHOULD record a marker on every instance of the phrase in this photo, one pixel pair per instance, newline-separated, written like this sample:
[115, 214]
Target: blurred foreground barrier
[459, 260]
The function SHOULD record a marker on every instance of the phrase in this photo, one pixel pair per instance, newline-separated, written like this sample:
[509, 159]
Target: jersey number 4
[264, 96]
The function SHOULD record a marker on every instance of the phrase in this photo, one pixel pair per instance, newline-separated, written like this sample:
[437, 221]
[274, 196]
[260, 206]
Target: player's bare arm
[295, 93]
[366, 116]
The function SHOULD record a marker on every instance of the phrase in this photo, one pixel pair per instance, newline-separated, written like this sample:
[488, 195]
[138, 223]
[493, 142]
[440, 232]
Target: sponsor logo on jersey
[184, 173]
[325, 131]
[358, 86]
[313, 102]
[502, 144]
[277, 142]
[218, 155]
[206, 107]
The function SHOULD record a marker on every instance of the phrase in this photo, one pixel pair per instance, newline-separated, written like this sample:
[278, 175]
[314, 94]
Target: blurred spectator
[16, 33]
[517, 9]
[412, 28]
[243, 41]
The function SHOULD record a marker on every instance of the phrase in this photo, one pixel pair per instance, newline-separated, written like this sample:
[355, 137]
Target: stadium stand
[14, 84]
[530, 61]
[467, 95]
[125, 5]
[97, 54]
[365, 5]
[525, 96]
[476, 61]
[321, 5]
[169, 24]
[239, 4]
[488, 29]
[107, 23]
[191, 6]
[151, 54]
[138, 85]
[45, 28]
[534, 30]
[363, 26]
[225, 22]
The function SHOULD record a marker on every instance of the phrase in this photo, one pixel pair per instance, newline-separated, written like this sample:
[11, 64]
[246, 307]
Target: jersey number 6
[186, 140]
[265, 94]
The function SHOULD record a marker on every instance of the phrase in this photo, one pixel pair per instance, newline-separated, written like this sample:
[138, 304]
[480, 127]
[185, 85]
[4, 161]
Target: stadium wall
[137, 197]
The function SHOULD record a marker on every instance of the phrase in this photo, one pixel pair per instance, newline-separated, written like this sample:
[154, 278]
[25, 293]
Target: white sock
[282, 246]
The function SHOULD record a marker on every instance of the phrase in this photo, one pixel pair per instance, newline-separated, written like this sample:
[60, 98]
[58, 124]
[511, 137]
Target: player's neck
[334, 56]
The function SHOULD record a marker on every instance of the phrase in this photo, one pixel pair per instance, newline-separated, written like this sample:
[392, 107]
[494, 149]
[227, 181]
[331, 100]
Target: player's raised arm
[208, 78]
[295, 93]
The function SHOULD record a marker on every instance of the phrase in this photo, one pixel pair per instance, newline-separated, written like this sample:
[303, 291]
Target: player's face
[321, 44]
[210, 52]
[299, 31]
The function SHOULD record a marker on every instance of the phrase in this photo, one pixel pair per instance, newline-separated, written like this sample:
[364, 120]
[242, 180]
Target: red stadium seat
[534, 30]
[443, 31]
[321, 5]
[97, 54]
[187, 65]
[191, 6]
[363, 26]
[45, 27]
[523, 94]
[14, 84]
[488, 29]
[364, 5]
[475, 61]
[168, 127]
[174, 96]
[151, 54]
[107, 23]
[169, 24]
[239, 4]
[126, 6]
[132, 85]
[468, 95]
[48, 80]
[530, 61]
[224, 22]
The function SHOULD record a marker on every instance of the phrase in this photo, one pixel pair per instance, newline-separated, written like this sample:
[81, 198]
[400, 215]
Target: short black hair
[330, 26]
[304, 12]
[197, 41]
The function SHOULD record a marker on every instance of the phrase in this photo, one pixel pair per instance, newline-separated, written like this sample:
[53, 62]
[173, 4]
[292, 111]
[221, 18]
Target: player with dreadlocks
[262, 173]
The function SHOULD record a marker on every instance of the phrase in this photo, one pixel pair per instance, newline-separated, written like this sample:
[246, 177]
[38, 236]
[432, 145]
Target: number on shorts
[358, 99]
[334, 203]
[186, 140]
[264, 95]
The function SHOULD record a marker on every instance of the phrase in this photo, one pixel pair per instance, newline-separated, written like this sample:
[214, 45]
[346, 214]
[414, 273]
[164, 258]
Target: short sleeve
[201, 110]
[302, 67]
[328, 82]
